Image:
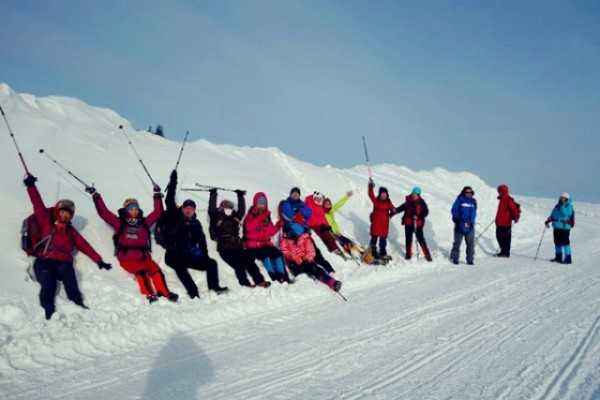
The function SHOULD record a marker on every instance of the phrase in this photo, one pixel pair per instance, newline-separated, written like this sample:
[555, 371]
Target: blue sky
[509, 90]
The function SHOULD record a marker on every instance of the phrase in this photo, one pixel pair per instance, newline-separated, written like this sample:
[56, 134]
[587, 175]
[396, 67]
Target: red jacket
[134, 239]
[380, 217]
[63, 238]
[317, 218]
[298, 250]
[258, 227]
[413, 208]
[508, 211]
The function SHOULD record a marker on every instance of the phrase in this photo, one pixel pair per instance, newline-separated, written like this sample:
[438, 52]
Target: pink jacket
[258, 227]
[318, 217]
[298, 250]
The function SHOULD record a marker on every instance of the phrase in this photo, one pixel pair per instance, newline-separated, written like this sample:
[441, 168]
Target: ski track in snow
[505, 329]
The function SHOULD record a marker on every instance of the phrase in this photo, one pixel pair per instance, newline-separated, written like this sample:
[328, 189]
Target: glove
[30, 180]
[349, 193]
[103, 265]
[240, 192]
[90, 189]
[156, 189]
[371, 183]
[173, 177]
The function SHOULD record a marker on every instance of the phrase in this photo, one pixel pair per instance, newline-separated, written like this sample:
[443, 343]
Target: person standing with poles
[508, 211]
[50, 237]
[383, 208]
[415, 211]
[464, 216]
[562, 219]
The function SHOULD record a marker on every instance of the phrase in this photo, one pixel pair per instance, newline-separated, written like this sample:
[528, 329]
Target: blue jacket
[293, 225]
[464, 211]
[563, 216]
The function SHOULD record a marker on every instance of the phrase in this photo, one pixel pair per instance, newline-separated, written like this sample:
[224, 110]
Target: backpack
[31, 235]
[161, 231]
[517, 216]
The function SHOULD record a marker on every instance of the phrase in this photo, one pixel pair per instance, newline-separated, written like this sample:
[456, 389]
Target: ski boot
[220, 290]
[173, 297]
[152, 298]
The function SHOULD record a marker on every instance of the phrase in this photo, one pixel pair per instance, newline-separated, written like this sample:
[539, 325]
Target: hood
[503, 190]
[258, 196]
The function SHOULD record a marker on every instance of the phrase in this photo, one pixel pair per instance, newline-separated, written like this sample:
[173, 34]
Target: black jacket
[181, 234]
[225, 229]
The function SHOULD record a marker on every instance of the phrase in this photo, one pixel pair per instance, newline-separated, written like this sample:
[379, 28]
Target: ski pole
[12, 136]
[485, 230]
[208, 187]
[194, 190]
[59, 165]
[537, 253]
[137, 155]
[417, 239]
[364, 140]
[181, 150]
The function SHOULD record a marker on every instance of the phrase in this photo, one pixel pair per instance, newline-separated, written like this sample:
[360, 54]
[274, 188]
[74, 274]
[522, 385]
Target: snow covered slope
[513, 329]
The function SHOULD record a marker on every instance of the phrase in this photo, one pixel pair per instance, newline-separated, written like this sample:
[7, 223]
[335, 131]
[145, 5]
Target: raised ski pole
[208, 187]
[181, 150]
[364, 140]
[485, 230]
[137, 155]
[14, 140]
[59, 165]
[537, 253]
[416, 239]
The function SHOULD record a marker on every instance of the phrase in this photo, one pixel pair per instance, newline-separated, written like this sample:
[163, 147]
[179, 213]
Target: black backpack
[161, 231]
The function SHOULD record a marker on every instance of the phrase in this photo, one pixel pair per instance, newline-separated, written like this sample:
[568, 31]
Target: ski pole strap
[14, 140]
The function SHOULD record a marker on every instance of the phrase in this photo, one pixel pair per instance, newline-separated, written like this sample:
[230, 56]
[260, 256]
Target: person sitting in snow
[562, 219]
[380, 221]
[464, 216]
[319, 224]
[225, 230]
[53, 253]
[300, 253]
[133, 242]
[508, 211]
[330, 210]
[186, 243]
[296, 214]
[415, 211]
[258, 233]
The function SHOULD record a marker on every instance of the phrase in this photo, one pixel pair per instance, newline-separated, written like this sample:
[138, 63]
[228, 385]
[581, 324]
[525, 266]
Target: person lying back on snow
[330, 210]
[299, 252]
[54, 251]
[132, 241]
[296, 215]
[319, 224]
[225, 230]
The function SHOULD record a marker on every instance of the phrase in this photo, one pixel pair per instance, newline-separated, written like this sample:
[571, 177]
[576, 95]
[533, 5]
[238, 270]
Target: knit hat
[189, 203]
[565, 195]
[416, 190]
[295, 190]
[226, 204]
[130, 203]
[67, 205]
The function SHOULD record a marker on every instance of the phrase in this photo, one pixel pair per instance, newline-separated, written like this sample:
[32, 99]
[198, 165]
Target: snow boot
[220, 290]
[48, 313]
[82, 305]
[568, 260]
[558, 258]
[455, 261]
[173, 297]
[152, 298]
[427, 253]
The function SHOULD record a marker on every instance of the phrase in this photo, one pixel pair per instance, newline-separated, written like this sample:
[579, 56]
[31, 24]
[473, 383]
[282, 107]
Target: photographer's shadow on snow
[178, 372]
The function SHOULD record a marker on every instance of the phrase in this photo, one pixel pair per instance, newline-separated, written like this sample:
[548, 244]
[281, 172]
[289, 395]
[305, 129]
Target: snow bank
[86, 139]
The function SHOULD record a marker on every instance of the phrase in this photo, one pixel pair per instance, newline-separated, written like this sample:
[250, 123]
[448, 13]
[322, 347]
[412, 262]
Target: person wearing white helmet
[562, 219]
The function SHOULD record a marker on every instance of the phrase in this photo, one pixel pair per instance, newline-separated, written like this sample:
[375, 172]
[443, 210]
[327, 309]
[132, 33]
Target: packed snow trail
[504, 329]
[501, 330]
